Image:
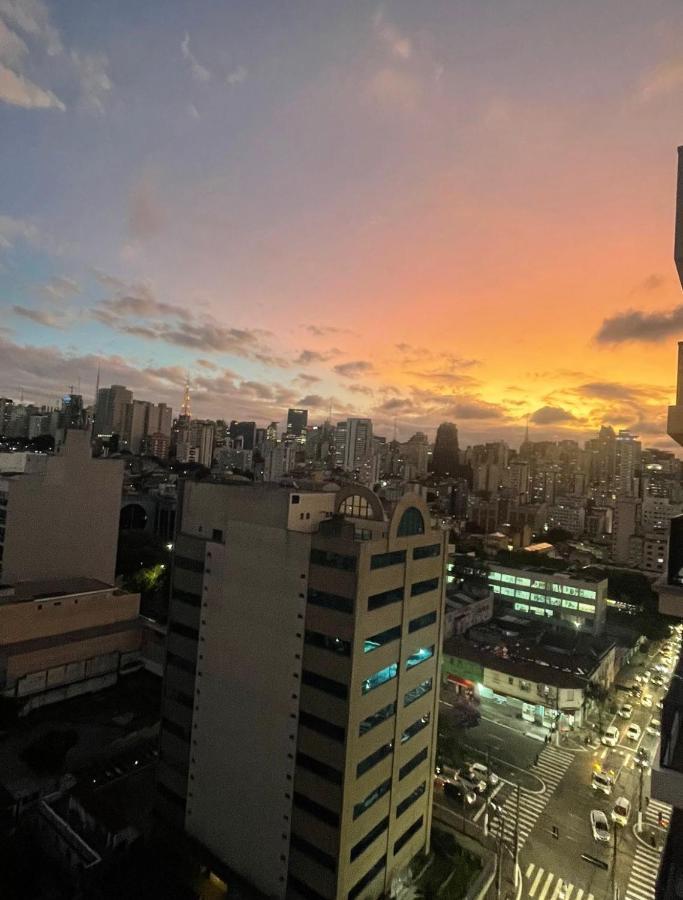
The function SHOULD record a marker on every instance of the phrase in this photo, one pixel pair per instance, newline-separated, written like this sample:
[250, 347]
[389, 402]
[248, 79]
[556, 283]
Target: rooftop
[51, 588]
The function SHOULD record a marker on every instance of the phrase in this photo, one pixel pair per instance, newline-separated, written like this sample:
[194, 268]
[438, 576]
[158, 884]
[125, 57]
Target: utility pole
[615, 891]
[499, 872]
[516, 860]
[639, 826]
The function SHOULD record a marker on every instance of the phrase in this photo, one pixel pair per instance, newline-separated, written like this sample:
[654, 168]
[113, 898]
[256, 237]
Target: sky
[452, 210]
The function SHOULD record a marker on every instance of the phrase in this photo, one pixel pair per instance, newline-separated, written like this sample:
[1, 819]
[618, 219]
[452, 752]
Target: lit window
[379, 678]
[419, 656]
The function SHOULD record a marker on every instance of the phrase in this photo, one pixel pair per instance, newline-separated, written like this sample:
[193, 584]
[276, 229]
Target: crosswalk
[543, 885]
[551, 767]
[643, 875]
[655, 809]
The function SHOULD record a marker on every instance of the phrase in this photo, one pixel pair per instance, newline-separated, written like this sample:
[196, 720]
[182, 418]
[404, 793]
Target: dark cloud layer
[644, 327]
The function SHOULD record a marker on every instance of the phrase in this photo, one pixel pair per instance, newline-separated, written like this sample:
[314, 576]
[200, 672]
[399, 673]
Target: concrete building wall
[63, 523]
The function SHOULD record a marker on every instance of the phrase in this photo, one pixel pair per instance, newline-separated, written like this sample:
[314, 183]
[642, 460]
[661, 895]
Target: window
[333, 560]
[586, 607]
[538, 598]
[495, 576]
[418, 691]
[427, 552]
[522, 595]
[384, 637]
[330, 601]
[415, 728]
[537, 610]
[316, 809]
[411, 523]
[538, 583]
[568, 589]
[522, 607]
[180, 697]
[304, 889]
[369, 876]
[379, 678]
[553, 601]
[382, 560]
[570, 604]
[187, 597]
[525, 582]
[313, 852]
[411, 798]
[423, 587]
[217, 534]
[323, 770]
[327, 642]
[386, 712]
[407, 834]
[509, 579]
[191, 565]
[322, 726]
[173, 728]
[422, 622]
[377, 601]
[184, 630]
[376, 756]
[524, 685]
[181, 663]
[372, 798]
[588, 595]
[356, 506]
[507, 592]
[413, 763]
[419, 656]
[321, 683]
[369, 838]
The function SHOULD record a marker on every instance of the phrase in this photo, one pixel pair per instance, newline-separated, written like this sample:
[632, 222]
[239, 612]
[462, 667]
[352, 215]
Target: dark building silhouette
[446, 459]
[246, 431]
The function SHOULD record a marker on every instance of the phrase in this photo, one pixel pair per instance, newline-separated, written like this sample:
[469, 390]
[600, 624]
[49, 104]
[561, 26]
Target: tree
[598, 694]
[558, 536]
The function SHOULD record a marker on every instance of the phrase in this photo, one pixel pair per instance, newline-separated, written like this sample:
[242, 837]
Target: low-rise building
[466, 607]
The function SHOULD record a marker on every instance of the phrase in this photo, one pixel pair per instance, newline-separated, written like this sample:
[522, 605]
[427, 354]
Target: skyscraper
[297, 420]
[358, 443]
[446, 458]
[111, 411]
[301, 684]
[627, 452]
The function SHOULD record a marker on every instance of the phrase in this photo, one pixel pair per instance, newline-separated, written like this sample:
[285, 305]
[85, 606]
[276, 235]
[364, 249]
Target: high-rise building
[5, 414]
[359, 446]
[60, 514]
[243, 435]
[627, 452]
[446, 456]
[297, 420]
[301, 684]
[111, 411]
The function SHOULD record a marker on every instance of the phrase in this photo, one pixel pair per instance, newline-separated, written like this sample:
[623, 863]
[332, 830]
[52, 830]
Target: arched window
[411, 523]
[356, 506]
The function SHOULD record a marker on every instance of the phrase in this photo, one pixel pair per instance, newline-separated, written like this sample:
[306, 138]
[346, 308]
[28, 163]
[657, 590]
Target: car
[660, 667]
[654, 726]
[642, 759]
[479, 770]
[647, 675]
[646, 701]
[633, 732]
[626, 711]
[660, 704]
[601, 781]
[611, 736]
[478, 785]
[457, 791]
[638, 678]
[600, 826]
[658, 680]
[621, 811]
[665, 649]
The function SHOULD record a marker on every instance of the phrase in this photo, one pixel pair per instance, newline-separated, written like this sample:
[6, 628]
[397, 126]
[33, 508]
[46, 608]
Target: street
[559, 858]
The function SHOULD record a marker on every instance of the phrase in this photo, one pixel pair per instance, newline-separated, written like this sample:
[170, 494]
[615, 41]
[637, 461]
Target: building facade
[304, 631]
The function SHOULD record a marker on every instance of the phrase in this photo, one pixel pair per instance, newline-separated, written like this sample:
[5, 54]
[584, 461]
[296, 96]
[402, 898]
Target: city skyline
[314, 209]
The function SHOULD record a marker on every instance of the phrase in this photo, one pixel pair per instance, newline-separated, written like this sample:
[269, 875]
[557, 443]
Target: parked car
[479, 770]
[633, 732]
[647, 675]
[658, 680]
[642, 759]
[660, 704]
[626, 711]
[478, 785]
[654, 726]
[621, 811]
[600, 826]
[646, 701]
[611, 736]
[457, 791]
[638, 678]
[601, 781]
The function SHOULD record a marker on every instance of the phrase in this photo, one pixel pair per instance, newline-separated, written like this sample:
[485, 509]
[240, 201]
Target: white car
[654, 726]
[600, 826]
[480, 772]
[611, 736]
[638, 678]
[621, 811]
[647, 675]
[646, 701]
[626, 711]
[633, 732]
[601, 781]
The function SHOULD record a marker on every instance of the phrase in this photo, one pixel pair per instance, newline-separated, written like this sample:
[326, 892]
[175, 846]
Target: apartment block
[301, 684]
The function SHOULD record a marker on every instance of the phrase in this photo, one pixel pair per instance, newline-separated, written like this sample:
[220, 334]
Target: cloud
[59, 288]
[309, 357]
[353, 369]
[207, 364]
[360, 389]
[476, 409]
[93, 76]
[237, 76]
[307, 379]
[395, 404]
[12, 48]
[652, 283]
[199, 72]
[313, 400]
[13, 230]
[551, 415]
[395, 88]
[41, 317]
[612, 390]
[32, 17]
[16, 90]
[397, 44]
[325, 330]
[635, 325]
[146, 216]
[664, 79]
